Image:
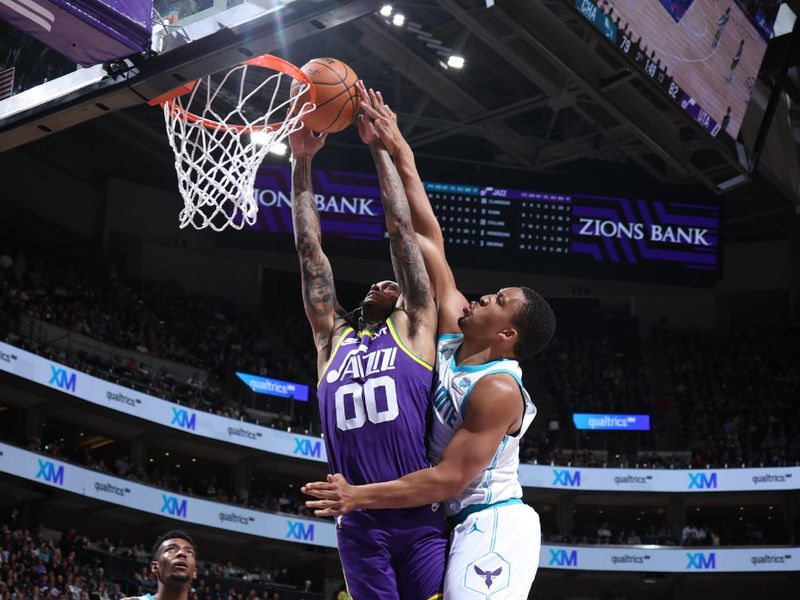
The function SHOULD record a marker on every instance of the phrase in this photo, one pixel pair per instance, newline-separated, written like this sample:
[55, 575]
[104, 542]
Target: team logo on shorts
[488, 574]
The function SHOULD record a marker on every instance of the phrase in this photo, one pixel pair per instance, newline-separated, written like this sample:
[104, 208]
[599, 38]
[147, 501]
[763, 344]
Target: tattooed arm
[319, 294]
[449, 299]
[407, 261]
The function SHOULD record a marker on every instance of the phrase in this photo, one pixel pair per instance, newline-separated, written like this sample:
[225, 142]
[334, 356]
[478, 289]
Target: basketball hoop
[210, 128]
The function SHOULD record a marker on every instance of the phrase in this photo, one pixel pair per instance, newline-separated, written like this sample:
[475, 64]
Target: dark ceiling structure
[543, 98]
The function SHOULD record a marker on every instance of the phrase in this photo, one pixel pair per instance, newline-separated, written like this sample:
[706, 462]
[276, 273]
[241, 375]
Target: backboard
[190, 38]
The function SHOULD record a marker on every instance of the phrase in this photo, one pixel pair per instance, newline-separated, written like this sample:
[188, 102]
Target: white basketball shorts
[494, 554]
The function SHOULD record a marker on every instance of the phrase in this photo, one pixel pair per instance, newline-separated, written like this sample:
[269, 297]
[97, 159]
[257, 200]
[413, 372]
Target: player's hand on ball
[305, 144]
[336, 496]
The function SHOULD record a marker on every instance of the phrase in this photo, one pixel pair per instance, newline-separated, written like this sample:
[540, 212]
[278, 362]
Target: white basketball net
[216, 155]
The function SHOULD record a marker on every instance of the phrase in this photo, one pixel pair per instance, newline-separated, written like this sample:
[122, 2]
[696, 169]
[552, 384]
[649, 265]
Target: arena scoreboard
[491, 227]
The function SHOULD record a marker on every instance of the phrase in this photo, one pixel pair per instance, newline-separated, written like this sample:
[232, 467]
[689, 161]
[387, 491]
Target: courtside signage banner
[669, 560]
[100, 486]
[59, 474]
[137, 404]
[116, 397]
[611, 422]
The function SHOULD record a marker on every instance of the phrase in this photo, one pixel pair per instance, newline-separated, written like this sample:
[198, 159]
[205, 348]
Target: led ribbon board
[275, 387]
[611, 422]
[168, 505]
[55, 376]
[156, 410]
[510, 229]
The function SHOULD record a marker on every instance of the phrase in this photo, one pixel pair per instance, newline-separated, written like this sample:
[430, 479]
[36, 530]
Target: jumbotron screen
[594, 236]
[704, 54]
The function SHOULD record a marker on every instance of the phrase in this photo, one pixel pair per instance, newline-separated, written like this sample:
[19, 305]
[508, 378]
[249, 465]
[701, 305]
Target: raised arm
[407, 260]
[425, 222]
[494, 411]
[423, 217]
[450, 301]
[319, 294]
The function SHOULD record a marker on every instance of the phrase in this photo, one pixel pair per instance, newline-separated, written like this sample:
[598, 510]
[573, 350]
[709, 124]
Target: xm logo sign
[183, 418]
[299, 531]
[307, 447]
[173, 507]
[700, 561]
[62, 378]
[562, 558]
[566, 478]
[49, 473]
[702, 481]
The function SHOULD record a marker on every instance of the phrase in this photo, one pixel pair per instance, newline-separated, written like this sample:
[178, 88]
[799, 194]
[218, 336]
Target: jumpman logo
[488, 574]
[475, 528]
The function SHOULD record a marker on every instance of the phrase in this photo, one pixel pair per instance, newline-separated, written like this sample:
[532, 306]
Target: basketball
[337, 99]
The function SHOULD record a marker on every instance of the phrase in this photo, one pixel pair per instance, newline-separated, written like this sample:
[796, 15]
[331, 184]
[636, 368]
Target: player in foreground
[481, 411]
[173, 563]
[374, 386]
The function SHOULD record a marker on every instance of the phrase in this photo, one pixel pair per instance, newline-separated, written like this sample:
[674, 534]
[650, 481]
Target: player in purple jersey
[496, 538]
[375, 376]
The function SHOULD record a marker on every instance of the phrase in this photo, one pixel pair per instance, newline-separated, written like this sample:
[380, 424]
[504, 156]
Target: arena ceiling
[542, 99]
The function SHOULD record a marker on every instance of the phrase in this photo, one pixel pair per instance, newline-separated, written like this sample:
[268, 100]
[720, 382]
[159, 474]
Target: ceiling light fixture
[456, 62]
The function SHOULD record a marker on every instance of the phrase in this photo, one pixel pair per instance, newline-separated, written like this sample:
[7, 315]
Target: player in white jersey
[481, 411]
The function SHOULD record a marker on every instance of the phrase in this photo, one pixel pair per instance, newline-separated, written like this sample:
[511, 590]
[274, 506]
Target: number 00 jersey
[499, 481]
[374, 403]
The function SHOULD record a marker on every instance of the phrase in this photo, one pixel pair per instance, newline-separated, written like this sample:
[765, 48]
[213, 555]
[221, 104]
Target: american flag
[6, 83]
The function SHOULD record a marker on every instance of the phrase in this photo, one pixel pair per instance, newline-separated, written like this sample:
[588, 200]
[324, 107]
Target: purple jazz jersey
[374, 402]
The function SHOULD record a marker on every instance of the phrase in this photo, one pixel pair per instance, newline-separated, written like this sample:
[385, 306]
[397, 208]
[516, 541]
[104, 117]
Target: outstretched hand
[336, 496]
[367, 132]
[384, 120]
[305, 143]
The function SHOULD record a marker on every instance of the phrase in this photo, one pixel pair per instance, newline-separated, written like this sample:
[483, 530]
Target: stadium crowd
[157, 320]
[748, 532]
[602, 374]
[735, 395]
[605, 534]
[35, 565]
[738, 396]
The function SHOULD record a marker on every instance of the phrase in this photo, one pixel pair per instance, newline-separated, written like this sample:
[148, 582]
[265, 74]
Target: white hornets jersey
[499, 481]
